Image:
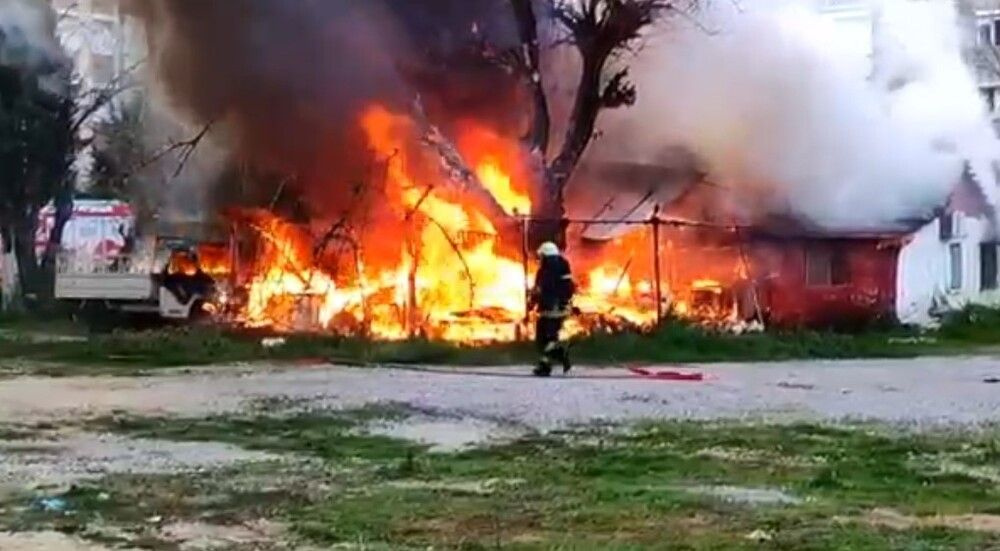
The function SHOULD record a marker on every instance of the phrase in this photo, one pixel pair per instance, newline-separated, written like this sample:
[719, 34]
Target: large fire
[441, 269]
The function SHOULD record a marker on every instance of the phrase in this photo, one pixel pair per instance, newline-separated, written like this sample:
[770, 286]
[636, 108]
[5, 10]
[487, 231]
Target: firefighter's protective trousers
[547, 330]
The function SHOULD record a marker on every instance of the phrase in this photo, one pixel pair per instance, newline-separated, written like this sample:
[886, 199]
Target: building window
[103, 7]
[989, 31]
[955, 266]
[102, 69]
[950, 225]
[988, 266]
[826, 267]
[990, 97]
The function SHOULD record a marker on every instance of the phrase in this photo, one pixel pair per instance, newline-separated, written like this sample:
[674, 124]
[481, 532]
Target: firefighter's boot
[564, 359]
[543, 369]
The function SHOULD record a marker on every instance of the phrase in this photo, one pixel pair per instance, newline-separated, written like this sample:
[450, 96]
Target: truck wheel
[98, 317]
[198, 314]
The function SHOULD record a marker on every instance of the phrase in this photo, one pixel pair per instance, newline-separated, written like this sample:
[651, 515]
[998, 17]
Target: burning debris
[431, 261]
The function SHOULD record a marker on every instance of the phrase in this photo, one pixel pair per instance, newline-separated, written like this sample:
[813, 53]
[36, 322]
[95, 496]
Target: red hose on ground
[666, 375]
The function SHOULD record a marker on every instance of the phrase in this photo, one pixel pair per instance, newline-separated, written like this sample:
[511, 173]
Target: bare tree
[601, 31]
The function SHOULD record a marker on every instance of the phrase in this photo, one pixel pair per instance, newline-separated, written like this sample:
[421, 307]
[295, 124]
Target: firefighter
[551, 298]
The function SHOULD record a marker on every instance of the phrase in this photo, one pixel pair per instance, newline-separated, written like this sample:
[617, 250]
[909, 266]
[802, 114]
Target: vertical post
[755, 294]
[234, 256]
[411, 282]
[655, 220]
[524, 266]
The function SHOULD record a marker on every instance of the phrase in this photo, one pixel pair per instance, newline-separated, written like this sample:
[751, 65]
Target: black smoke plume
[285, 80]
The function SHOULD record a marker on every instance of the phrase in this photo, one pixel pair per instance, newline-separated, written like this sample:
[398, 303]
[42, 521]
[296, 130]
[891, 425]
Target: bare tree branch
[278, 192]
[618, 92]
[454, 167]
[66, 12]
[186, 147]
[527, 25]
[98, 98]
[461, 258]
[282, 248]
[341, 224]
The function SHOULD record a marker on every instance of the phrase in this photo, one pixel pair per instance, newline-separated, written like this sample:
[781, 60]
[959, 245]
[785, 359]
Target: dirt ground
[452, 408]
[927, 390]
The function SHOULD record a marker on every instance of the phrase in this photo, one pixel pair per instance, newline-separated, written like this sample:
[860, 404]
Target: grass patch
[18, 432]
[970, 330]
[14, 324]
[675, 343]
[328, 435]
[972, 324]
[600, 489]
[684, 343]
[127, 352]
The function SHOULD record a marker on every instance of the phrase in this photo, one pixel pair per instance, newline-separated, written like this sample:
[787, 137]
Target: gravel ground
[457, 407]
[70, 458]
[921, 391]
[45, 541]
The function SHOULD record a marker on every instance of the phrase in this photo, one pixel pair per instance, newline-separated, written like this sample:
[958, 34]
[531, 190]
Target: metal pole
[656, 264]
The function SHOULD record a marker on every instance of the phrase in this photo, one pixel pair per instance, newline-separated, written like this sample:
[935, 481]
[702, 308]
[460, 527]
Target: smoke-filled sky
[780, 98]
[784, 99]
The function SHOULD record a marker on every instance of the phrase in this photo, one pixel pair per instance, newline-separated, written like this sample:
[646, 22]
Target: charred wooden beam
[453, 167]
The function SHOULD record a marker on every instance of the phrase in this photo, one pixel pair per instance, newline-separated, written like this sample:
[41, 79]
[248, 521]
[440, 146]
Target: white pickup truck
[164, 283]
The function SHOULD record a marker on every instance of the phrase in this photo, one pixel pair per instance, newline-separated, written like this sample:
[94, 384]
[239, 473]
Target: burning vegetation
[418, 255]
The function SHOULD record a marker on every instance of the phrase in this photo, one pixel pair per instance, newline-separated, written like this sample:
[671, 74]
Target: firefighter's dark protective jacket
[554, 287]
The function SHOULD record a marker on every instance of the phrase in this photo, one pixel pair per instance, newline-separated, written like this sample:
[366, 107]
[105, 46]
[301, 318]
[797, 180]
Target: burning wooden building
[829, 278]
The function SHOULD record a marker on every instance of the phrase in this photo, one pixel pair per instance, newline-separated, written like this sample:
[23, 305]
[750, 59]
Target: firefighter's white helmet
[548, 249]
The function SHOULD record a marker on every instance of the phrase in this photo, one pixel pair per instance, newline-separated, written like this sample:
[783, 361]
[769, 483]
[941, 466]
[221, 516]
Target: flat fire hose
[666, 375]
[633, 370]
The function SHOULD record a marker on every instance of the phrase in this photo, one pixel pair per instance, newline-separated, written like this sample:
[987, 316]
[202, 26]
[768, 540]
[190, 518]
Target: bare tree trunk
[548, 219]
[551, 208]
[47, 271]
[27, 261]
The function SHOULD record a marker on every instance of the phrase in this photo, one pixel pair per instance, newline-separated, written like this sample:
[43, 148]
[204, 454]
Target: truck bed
[105, 286]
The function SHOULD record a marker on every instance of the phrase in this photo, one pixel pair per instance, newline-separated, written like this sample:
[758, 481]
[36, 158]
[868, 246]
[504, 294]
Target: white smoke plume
[782, 99]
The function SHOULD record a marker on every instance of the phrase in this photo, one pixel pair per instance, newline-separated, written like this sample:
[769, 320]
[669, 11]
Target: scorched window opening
[988, 266]
[826, 266]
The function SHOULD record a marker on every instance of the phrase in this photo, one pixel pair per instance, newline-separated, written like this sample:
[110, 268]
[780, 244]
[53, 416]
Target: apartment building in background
[857, 20]
[108, 52]
[103, 42]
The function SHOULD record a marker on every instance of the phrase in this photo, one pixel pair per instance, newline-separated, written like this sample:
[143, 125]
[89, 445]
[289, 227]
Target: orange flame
[447, 275]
